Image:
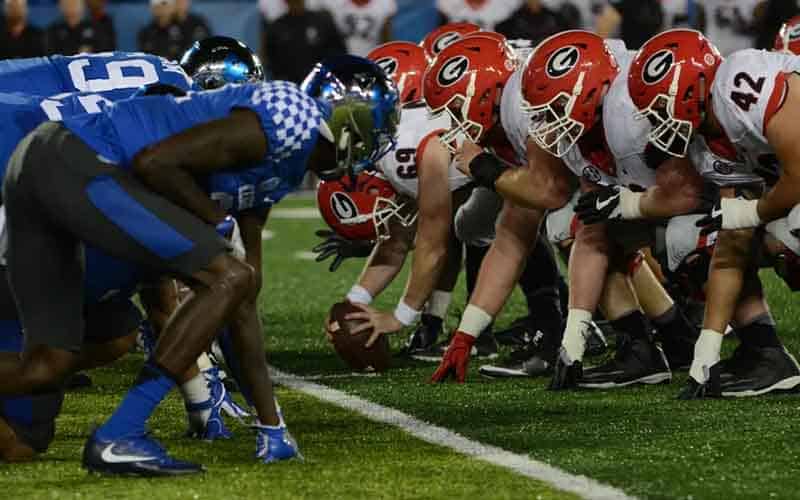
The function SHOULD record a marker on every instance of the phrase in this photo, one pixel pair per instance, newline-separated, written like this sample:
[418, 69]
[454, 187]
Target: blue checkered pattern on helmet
[295, 116]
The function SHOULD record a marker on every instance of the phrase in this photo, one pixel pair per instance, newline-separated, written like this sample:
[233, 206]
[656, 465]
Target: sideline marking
[295, 213]
[519, 463]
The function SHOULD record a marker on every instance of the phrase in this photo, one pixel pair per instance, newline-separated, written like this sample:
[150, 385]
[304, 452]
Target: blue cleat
[205, 419]
[275, 443]
[223, 396]
[134, 456]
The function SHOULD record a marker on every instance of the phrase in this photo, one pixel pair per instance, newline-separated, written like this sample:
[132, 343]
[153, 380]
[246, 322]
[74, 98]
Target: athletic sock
[760, 333]
[635, 324]
[574, 341]
[129, 420]
[196, 391]
[474, 321]
[438, 303]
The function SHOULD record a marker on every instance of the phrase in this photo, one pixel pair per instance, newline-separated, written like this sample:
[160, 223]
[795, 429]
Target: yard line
[294, 213]
[519, 463]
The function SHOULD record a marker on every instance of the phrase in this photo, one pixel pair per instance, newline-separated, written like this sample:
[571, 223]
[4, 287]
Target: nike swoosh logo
[109, 456]
[600, 205]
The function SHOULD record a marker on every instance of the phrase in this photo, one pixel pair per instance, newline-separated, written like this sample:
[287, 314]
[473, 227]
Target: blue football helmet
[362, 112]
[218, 60]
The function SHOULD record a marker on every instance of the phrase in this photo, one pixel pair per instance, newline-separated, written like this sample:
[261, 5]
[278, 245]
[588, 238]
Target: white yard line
[294, 213]
[519, 463]
[305, 255]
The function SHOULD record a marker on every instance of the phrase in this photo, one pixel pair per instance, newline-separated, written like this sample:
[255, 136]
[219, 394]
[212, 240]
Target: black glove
[341, 247]
[599, 205]
[486, 168]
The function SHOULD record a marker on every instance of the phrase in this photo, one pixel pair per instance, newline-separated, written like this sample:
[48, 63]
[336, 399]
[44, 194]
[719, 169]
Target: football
[351, 347]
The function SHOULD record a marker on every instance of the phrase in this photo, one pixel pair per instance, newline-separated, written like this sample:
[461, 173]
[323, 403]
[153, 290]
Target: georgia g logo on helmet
[388, 65]
[452, 70]
[443, 41]
[343, 206]
[657, 67]
[562, 61]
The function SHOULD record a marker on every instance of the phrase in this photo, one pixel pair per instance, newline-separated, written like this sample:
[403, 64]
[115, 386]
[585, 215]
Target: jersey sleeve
[289, 117]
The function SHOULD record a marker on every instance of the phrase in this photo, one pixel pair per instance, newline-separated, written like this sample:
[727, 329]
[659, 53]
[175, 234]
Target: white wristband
[359, 295]
[629, 204]
[738, 213]
[405, 314]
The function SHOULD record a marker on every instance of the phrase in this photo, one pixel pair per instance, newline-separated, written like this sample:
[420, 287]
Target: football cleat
[424, 336]
[519, 334]
[274, 444]
[133, 456]
[709, 389]
[770, 369]
[596, 343]
[637, 361]
[222, 395]
[566, 373]
[532, 360]
[485, 347]
[205, 419]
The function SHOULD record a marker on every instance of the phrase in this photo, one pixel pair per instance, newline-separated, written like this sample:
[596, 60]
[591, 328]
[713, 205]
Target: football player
[128, 185]
[486, 14]
[745, 106]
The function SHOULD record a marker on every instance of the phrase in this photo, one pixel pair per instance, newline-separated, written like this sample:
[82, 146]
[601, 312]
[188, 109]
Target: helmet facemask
[457, 109]
[387, 209]
[551, 124]
[668, 133]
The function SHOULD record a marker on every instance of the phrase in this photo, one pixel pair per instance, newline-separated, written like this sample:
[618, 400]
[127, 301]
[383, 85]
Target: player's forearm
[526, 188]
[177, 185]
[382, 266]
[428, 263]
[780, 200]
[656, 203]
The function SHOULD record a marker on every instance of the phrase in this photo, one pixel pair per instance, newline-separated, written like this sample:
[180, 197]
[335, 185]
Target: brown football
[351, 347]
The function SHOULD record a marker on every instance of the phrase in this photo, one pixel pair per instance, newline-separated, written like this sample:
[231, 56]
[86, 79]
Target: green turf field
[641, 439]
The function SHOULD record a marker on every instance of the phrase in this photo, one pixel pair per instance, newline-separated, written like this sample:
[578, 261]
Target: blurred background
[291, 35]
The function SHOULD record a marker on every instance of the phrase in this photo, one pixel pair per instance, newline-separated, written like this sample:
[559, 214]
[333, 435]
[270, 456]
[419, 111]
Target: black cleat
[596, 343]
[637, 361]
[485, 347]
[520, 333]
[78, 381]
[424, 336]
[532, 360]
[710, 389]
[768, 369]
[566, 373]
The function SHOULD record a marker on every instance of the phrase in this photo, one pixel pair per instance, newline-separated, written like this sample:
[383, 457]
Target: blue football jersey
[289, 118]
[113, 73]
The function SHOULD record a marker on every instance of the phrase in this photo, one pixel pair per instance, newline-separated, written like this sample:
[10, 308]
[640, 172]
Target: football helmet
[362, 209]
[217, 60]
[670, 82]
[466, 81]
[404, 63]
[563, 85]
[361, 109]
[438, 39]
[788, 38]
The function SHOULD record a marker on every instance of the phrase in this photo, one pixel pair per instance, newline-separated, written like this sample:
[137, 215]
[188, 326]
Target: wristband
[739, 214]
[359, 295]
[629, 204]
[405, 314]
[485, 169]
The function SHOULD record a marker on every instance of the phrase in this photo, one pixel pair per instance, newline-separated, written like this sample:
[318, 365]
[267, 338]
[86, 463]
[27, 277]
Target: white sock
[438, 303]
[474, 320]
[195, 390]
[574, 341]
[706, 354]
[204, 362]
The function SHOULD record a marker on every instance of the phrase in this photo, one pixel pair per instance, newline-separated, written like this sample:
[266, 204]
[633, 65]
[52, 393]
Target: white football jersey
[718, 169]
[273, 9]
[512, 118]
[361, 23]
[399, 166]
[683, 237]
[626, 135]
[485, 13]
[749, 88]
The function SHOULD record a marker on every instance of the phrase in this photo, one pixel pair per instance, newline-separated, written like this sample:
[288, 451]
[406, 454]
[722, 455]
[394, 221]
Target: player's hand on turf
[456, 359]
[380, 322]
[465, 153]
[599, 205]
[339, 247]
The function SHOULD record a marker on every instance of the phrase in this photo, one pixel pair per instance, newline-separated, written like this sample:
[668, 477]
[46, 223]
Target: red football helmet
[670, 82]
[404, 63]
[436, 41]
[788, 38]
[466, 81]
[361, 210]
[565, 80]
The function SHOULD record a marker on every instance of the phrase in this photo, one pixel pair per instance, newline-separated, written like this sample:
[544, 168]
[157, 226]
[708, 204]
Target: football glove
[608, 203]
[339, 247]
[456, 359]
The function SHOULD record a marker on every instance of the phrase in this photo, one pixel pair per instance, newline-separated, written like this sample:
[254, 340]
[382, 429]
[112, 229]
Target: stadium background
[239, 19]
